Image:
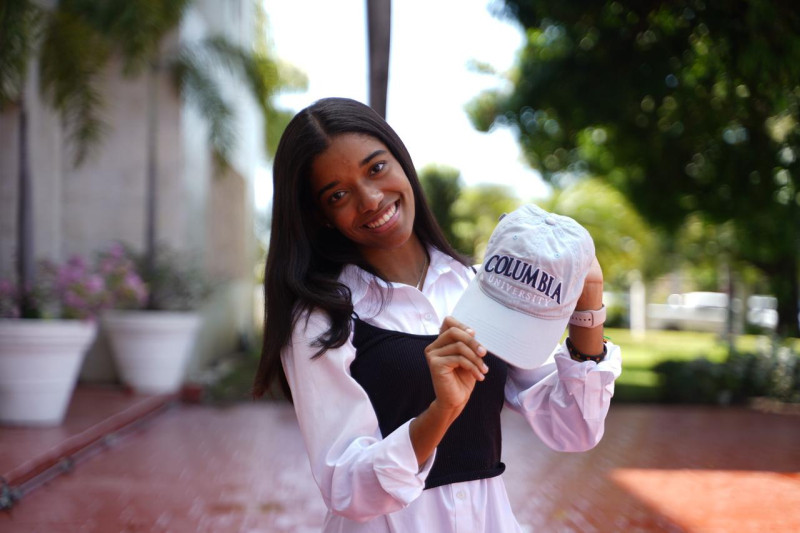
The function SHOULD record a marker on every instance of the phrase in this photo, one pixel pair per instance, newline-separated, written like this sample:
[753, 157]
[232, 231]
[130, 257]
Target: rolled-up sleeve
[565, 401]
[360, 473]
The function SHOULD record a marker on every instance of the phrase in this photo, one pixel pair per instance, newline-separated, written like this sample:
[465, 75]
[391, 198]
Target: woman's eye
[335, 197]
[377, 167]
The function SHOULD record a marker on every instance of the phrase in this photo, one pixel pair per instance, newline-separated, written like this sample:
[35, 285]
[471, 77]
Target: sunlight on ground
[718, 500]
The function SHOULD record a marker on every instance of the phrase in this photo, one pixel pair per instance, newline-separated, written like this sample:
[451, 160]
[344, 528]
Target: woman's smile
[363, 192]
[388, 215]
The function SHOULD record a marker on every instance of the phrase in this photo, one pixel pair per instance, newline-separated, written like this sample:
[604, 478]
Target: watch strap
[588, 319]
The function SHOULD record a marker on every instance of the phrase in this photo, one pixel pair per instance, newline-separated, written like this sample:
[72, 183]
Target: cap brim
[521, 340]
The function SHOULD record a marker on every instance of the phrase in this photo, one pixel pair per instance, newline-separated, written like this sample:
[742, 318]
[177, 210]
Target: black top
[392, 369]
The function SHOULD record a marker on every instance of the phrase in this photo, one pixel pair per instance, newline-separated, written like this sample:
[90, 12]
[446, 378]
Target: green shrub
[616, 316]
[772, 371]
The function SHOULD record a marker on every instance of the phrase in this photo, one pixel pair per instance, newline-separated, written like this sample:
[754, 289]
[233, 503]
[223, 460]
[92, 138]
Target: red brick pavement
[244, 469]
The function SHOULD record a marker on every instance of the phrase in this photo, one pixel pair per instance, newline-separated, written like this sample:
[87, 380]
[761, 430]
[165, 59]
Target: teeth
[384, 219]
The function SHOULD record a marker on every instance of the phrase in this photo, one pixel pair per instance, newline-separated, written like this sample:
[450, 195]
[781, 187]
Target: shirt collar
[359, 281]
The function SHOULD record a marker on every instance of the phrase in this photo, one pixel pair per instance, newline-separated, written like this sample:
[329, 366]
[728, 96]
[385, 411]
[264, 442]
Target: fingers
[445, 357]
[453, 332]
[450, 322]
[456, 346]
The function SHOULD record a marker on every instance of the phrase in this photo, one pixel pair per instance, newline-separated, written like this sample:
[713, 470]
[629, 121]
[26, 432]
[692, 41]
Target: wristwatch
[588, 319]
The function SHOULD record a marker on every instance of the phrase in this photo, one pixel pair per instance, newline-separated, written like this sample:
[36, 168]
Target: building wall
[224, 203]
[82, 210]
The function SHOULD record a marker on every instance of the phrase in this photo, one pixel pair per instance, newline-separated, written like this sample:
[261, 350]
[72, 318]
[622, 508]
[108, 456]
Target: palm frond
[258, 71]
[276, 122]
[137, 27]
[72, 58]
[198, 87]
[290, 78]
[20, 25]
[264, 76]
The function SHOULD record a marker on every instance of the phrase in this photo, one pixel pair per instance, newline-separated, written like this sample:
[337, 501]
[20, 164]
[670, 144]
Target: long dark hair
[305, 257]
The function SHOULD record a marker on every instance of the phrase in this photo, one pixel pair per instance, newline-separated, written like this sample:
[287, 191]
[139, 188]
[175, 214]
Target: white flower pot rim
[47, 328]
[151, 319]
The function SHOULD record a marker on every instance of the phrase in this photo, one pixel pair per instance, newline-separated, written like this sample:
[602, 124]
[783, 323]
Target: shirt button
[428, 316]
[461, 495]
[550, 221]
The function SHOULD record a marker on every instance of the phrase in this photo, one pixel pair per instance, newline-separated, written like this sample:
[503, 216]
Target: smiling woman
[398, 403]
[363, 192]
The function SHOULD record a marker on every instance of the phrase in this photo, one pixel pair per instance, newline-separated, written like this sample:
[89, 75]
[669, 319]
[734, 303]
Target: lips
[386, 217]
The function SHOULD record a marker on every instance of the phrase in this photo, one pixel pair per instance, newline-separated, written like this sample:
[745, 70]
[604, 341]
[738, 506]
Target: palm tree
[140, 29]
[18, 22]
[194, 69]
[379, 23]
[74, 42]
[67, 76]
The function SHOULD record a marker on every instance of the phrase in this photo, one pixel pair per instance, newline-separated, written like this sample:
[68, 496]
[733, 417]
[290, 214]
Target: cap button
[550, 221]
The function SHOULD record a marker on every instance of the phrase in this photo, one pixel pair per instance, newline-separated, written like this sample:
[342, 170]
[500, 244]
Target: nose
[370, 198]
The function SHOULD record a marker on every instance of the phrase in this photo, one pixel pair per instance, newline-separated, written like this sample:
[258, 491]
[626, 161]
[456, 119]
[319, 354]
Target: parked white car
[707, 311]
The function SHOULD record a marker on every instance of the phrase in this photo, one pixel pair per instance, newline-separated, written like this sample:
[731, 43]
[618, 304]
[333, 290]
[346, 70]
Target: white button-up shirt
[372, 483]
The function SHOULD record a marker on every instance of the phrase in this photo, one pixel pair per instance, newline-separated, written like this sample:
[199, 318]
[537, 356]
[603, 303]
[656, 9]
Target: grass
[639, 382]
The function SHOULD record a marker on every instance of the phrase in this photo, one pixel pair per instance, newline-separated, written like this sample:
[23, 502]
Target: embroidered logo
[518, 270]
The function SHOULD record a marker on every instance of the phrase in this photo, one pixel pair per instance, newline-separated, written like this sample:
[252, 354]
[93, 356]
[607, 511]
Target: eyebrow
[367, 159]
[363, 162]
[325, 188]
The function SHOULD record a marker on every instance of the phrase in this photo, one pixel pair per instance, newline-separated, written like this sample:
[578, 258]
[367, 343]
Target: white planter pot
[39, 363]
[151, 348]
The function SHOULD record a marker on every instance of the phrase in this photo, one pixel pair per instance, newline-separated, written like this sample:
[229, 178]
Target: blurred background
[144, 130]
[669, 130]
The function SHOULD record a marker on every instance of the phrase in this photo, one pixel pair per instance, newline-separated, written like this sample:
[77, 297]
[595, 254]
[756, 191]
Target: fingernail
[481, 350]
[484, 368]
[470, 331]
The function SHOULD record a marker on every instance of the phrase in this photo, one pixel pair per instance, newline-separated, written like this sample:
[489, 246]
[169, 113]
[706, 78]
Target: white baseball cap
[520, 301]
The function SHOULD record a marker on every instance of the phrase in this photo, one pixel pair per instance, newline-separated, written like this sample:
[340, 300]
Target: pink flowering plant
[115, 280]
[9, 299]
[176, 280]
[71, 290]
[76, 289]
[126, 289]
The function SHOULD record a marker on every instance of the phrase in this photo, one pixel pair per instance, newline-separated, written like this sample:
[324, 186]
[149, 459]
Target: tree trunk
[26, 265]
[151, 194]
[379, 24]
[730, 316]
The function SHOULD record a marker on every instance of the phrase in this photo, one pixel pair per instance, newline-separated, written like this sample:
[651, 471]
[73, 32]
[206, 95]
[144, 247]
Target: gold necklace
[423, 274]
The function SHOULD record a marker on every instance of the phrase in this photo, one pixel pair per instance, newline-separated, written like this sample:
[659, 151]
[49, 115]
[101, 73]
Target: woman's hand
[455, 359]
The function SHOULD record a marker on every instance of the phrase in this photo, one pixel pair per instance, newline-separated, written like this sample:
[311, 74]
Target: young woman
[359, 286]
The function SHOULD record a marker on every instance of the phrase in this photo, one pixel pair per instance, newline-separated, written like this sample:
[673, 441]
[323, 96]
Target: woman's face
[363, 192]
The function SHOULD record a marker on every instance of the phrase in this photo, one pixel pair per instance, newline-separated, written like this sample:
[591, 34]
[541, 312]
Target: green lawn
[639, 355]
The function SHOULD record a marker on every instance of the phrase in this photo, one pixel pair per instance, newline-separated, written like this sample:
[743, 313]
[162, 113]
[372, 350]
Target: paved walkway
[195, 468]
